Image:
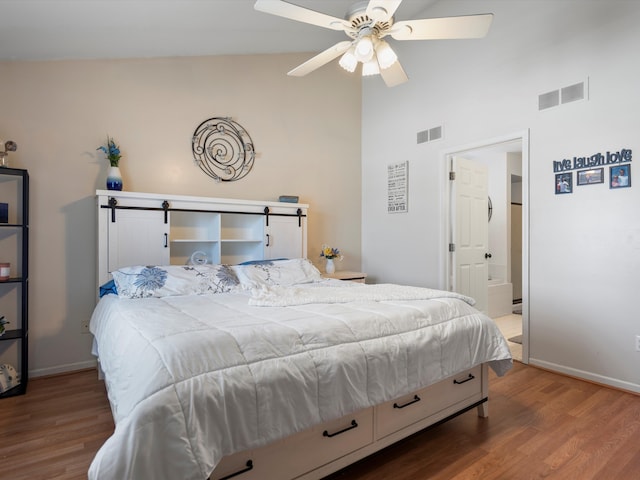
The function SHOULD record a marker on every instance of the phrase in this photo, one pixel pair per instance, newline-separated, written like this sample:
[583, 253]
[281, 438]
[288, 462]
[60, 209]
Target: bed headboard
[157, 229]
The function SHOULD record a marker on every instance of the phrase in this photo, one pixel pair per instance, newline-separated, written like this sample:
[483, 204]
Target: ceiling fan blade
[394, 75]
[321, 59]
[301, 14]
[468, 26]
[382, 10]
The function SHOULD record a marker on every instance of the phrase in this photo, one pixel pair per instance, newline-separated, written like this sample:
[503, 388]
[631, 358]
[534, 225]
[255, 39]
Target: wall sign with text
[591, 170]
[397, 187]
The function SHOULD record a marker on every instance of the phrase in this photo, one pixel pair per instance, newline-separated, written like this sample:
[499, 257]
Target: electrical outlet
[637, 343]
[84, 326]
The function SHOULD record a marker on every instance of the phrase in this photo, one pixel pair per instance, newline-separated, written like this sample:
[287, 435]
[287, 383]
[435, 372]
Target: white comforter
[194, 378]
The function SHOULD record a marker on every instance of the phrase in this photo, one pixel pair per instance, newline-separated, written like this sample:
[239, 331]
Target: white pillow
[168, 280]
[281, 272]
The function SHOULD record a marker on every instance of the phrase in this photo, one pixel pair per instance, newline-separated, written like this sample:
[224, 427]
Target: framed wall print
[620, 176]
[589, 177]
[564, 183]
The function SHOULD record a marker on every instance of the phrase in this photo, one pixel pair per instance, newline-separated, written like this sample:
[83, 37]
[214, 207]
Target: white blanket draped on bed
[194, 378]
[277, 296]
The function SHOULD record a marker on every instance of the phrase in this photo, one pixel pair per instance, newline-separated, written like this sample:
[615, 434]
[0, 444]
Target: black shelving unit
[18, 328]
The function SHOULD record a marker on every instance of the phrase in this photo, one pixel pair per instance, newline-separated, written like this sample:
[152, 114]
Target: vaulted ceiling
[94, 29]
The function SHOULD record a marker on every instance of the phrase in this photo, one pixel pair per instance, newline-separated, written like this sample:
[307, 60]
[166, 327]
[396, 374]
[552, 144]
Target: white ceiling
[93, 29]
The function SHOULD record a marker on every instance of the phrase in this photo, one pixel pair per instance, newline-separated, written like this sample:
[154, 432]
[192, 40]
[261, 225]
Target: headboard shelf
[160, 229]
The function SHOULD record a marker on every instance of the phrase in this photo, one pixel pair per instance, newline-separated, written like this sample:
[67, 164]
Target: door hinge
[452, 247]
[452, 175]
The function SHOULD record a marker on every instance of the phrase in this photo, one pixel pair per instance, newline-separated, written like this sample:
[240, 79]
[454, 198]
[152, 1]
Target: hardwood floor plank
[55, 429]
[542, 425]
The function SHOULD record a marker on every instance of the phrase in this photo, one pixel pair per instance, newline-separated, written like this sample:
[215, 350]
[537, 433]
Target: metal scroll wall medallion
[223, 149]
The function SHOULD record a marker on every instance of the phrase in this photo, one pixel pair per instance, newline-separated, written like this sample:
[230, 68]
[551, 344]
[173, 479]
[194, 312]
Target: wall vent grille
[572, 93]
[548, 100]
[423, 136]
[430, 135]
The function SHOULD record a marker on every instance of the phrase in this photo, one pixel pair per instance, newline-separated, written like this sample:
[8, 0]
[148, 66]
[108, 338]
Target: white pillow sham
[169, 280]
[277, 272]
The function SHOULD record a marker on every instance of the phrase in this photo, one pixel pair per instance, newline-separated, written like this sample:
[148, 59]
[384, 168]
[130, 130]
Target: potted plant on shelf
[112, 151]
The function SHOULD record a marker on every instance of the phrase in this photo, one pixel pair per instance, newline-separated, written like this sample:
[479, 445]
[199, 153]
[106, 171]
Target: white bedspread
[192, 379]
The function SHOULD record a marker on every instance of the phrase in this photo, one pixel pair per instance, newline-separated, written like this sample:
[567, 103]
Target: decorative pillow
[108, 288]
[164, 281]
[262, 262]
[281, 272]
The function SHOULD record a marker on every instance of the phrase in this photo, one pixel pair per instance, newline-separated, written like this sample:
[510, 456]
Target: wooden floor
[540, 425]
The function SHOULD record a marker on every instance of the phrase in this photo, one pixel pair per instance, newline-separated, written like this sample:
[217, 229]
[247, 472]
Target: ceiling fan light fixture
[386, 55]
[364, 49]
[370, 68]
[348, 61]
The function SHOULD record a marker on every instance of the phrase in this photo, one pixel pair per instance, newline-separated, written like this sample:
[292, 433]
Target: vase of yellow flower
[330, 253]
[330, 267]
[112, 151]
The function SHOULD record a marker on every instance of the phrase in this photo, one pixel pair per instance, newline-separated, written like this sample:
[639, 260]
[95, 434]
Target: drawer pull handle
[353, 425]
[470, 377]
[240, 472]
[416, 398]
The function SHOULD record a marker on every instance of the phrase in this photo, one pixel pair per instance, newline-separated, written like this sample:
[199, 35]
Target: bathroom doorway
[507, 160]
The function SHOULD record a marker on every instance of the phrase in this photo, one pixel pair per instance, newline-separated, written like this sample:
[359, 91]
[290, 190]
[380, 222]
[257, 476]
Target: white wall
[584, 247]
[306, 133]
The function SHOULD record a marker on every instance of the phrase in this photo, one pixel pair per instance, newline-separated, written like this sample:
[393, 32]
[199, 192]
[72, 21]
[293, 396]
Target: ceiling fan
[367, 23]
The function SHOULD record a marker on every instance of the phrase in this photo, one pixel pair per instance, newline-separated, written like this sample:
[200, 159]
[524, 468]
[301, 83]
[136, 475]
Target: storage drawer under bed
[301, 452]
[408, 409]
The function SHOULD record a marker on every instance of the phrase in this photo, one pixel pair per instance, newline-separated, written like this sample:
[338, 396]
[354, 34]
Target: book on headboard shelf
[4, 213]
[289, 198]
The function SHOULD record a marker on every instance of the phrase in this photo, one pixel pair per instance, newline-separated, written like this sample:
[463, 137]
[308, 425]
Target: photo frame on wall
[590, 177]
[620, 176]
[564, 183]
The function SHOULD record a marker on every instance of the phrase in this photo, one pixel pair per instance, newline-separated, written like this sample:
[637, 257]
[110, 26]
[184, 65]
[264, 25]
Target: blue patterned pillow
[168, 280]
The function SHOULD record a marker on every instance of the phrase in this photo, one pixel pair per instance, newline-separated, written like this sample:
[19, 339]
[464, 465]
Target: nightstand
[346, 275]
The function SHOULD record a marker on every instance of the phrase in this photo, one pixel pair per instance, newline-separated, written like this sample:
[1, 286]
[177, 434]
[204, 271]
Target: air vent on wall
[572, 93]
[548, 100]
[563, 95]
[430, 135]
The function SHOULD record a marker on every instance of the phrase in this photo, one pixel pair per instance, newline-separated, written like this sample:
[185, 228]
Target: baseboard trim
[66, 368]
[587, 376]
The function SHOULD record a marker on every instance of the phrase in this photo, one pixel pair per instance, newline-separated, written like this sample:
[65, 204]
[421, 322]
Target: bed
[268, 371]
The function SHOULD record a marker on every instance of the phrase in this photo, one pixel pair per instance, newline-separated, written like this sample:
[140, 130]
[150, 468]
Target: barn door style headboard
[156, 229]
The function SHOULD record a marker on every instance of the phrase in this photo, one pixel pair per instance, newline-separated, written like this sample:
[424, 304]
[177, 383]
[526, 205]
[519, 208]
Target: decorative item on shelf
[4, 213]
[114, 179]
[198, 258]
[5, 271]
[8, 377]
[5, 148]
[3, 322]
[330, 254]
[289, 198]
[112, 151]
[223, 149]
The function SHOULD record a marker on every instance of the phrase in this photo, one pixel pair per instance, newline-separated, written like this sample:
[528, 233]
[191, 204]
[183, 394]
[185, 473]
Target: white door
[471, 230]
[138, 237]
[285, 237]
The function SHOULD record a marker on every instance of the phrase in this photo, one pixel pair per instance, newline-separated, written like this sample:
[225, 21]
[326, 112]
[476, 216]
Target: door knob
[487, 255]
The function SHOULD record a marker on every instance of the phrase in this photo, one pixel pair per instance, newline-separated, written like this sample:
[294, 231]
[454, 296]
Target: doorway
[507, 158]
